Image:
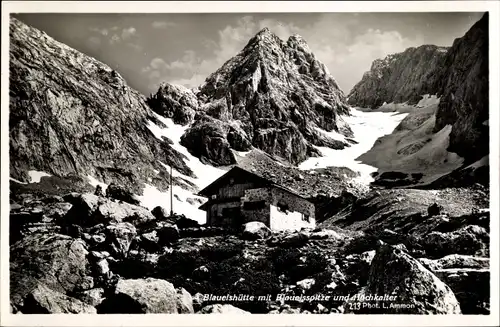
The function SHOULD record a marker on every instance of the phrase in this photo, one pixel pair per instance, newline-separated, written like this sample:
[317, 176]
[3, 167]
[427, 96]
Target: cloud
[102, 31]
[162, 24]
[117, 36]
[128, 32]
[94, 42]
[136, 47]
[335, 40]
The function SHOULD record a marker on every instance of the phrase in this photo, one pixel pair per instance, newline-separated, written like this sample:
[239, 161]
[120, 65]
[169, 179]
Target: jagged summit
[273, 95]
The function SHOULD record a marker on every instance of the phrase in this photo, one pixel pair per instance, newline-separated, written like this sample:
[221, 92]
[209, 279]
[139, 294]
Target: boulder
[89, 210]
[57, 261]
[92, 297]
[150, 241]
[295, 240]
[201, 273]
[306, 284]
[112, 212]
[119, 238]
[167, 233]
[45, 300]
[468, 277]
[434, 210]
[471, 287]
[221, 309]
[98, 191]
[416, 289]
[184, 222]
[197, 301]
[456, 261]
[120, 193]
[148, 295]
[184, 301]
[470, 240]
[255, 230]
[160, 213]
[324, 234]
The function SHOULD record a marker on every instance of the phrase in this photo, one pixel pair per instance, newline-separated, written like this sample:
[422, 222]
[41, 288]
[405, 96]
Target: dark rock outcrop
[120, 193]
[273, 95]
[400, 77]
[464, 102]
[71, 114]
[174, 101]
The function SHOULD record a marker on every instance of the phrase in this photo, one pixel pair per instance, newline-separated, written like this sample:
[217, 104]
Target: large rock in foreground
[44, 300]
[57, 261]
[148, 295]
[415, 289]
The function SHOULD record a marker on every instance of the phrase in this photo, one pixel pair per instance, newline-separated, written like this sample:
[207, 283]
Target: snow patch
[17, 181]
[367, 126]
[484, 161]
[206, 174]
[257, 75]
[152, 197]
[36, 176]
[333, 134]
[94, 182]
[428, 101]
[242, 154]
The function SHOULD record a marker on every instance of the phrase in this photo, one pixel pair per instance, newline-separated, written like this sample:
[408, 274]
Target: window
[254, 205]
[283, 207]
[305, 217]
[231, 212]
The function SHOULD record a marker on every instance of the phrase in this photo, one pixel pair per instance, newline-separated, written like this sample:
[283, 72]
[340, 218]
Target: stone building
[240, 196]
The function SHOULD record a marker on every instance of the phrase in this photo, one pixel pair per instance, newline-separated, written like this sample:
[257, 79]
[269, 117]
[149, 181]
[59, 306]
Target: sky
[184, 48]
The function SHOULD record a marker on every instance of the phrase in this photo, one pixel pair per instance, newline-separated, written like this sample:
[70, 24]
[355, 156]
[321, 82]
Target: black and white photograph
[256, 162]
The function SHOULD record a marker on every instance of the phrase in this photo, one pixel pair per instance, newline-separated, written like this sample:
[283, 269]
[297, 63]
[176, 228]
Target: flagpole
[171, 194]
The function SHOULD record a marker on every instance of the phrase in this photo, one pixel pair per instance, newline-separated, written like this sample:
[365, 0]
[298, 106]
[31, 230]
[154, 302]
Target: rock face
[400, 77]
[273, 95]
[396, 273]
[465, 97]
[458, 75]
[71, 114]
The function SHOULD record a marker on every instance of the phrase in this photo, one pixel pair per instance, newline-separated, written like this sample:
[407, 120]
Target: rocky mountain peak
[296, 41]
[273, 95]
